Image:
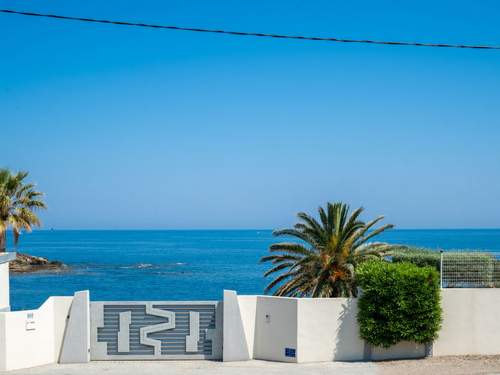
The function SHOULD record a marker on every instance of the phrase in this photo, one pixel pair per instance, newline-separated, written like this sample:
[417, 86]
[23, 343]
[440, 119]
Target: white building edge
[253, 327]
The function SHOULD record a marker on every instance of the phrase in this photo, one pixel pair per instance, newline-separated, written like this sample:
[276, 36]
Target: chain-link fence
[470, 269]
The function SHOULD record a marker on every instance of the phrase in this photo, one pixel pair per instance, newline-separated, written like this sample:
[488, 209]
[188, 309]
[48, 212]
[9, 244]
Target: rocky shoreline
[25, 263]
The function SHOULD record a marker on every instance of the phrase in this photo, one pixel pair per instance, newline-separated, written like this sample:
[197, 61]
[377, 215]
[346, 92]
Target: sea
[163, 265]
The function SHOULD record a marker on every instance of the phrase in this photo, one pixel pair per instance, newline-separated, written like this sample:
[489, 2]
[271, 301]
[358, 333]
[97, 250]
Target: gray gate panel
[156, 330]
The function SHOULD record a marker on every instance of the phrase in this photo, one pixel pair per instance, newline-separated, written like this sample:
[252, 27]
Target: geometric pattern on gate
[154, 330]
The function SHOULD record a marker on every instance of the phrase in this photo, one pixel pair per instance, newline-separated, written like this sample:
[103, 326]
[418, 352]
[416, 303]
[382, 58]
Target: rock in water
[30, 263]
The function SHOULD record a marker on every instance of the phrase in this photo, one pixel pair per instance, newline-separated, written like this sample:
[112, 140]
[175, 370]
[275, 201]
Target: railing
[470, 269]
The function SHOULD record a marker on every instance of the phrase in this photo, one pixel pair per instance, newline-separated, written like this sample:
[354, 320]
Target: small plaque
[290, 352]
[30, 322]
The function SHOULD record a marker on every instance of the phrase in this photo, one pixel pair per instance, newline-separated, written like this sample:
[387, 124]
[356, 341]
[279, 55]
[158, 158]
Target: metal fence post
[441, 269]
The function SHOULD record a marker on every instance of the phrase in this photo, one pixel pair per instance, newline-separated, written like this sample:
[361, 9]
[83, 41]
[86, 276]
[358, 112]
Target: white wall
[248, 310]
[37, 337]
[3, 345]
[235, 333]
[328, 330]
[27, 345]
[323, 329]
[471, 322]
[275, 328]
[62, 306]
[76, 348]
[4, 286]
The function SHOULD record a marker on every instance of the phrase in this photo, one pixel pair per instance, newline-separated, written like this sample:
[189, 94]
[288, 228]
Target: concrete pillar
[5, 258]
[76, 342]
[235, 346]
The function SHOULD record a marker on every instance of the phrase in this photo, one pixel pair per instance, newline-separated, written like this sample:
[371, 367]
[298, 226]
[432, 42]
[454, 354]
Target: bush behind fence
[458, 269]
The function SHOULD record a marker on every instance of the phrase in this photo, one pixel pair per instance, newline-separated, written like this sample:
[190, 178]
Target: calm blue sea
[177, 265]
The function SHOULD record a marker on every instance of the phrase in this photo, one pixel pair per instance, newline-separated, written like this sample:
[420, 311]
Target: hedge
[399, 302]
[463, 269]
[418, 256]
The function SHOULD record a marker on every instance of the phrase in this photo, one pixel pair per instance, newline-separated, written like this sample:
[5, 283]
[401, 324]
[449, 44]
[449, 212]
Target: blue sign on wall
[289, 352]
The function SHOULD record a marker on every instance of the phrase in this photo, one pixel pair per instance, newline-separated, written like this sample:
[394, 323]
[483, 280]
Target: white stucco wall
[323, 329]
[235, 346]
[328, 330]
[76, 348]
[275, 328]
[32, 344]
[3, 345]
[62, 306]
[248, 309]
[262, 327]
[471, 322]
[4, 286]
[402, 350]
[34, 337]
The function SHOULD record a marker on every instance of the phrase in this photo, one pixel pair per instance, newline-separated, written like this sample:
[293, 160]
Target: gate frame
[98, 349]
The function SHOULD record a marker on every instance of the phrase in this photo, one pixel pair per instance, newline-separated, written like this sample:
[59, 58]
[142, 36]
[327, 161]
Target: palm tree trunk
[3, 241]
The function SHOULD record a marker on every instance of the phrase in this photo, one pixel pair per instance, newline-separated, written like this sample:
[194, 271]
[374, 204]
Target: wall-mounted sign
[290, 352]
[156, 330]
[30, 324]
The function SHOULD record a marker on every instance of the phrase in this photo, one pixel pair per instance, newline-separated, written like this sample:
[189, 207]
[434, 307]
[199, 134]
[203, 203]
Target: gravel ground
[460, 365]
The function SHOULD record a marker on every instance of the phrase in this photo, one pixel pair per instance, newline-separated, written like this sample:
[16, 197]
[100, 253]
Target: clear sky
[137, 128]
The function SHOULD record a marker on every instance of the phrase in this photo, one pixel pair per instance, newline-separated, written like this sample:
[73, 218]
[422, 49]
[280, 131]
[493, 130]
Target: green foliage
[18, 202]
[399, 302]
[462, 269]
[418, 256]
[322, 263]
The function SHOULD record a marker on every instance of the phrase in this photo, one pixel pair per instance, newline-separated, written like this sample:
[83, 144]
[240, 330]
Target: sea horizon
[179, 264]
[241, 229]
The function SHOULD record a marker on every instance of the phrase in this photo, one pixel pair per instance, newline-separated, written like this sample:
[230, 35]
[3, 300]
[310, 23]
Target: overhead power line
[252, 34]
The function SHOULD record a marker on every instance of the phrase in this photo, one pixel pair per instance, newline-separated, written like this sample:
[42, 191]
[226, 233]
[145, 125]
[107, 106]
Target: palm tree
[18, 202]
[323, 263]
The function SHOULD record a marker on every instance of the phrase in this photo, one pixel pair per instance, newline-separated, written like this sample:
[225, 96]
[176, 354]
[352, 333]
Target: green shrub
[462, 269]
[399, 302]
[418, 256]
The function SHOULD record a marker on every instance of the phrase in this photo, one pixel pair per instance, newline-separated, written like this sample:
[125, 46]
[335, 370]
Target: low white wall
[39, 337]
[402, 350]
[275, 328]
[33, 337]
[4, 286]
[471, 322]
[328, 330]
[317, 329]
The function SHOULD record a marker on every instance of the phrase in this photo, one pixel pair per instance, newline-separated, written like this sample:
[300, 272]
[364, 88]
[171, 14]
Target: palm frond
[278, 268]
[18, 202]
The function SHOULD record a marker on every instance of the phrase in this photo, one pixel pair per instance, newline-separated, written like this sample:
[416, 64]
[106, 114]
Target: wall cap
[7, 257]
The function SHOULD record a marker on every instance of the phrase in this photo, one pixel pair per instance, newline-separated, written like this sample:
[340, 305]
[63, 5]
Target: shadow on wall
[348, 344]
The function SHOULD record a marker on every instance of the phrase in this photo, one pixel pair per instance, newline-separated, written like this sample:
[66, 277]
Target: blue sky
[133, 128]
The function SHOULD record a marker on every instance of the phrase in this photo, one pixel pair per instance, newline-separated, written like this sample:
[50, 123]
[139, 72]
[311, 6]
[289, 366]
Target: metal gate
[155, 330]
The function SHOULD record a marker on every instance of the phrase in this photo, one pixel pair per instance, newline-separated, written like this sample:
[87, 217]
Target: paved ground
[202, 367]
[472, 365]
